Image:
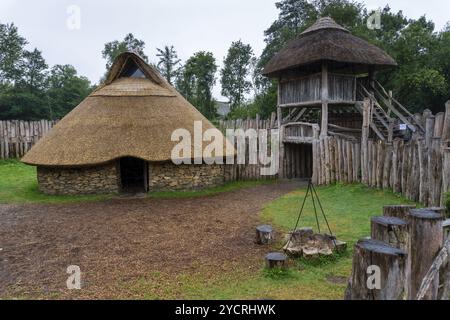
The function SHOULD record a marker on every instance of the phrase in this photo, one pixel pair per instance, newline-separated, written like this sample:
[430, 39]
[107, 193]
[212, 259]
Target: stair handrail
[386, 97]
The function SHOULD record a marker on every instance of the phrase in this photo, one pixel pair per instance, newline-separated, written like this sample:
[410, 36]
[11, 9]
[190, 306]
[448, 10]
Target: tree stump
[276, 260]
[265, 235]
[391, 230]
[426, 238]
[399, 211]
[441, 210]
[368, 255]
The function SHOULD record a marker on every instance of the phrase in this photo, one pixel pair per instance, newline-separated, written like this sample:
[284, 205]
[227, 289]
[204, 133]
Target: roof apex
[325, 23]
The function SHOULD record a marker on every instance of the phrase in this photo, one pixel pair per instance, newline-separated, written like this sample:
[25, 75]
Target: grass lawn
[348, 209]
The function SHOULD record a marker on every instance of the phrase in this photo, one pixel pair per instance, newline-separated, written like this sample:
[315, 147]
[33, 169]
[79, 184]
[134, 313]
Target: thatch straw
[124, 117]
[327, 41]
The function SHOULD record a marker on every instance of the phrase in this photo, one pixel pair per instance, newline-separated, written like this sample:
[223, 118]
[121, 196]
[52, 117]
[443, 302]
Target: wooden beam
[339, 128]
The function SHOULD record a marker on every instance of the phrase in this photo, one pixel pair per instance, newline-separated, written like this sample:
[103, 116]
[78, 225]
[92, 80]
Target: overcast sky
[189, 25]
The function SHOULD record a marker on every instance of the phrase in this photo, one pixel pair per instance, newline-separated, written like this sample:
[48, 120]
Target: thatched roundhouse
[119, 138]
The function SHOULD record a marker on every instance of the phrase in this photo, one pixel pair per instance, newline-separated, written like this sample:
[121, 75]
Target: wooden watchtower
[324, 75]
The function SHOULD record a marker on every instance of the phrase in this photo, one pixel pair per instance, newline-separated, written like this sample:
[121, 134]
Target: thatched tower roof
[126, 116]
[326, 40]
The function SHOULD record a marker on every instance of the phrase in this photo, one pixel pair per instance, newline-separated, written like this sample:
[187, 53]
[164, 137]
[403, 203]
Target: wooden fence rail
[17, 136]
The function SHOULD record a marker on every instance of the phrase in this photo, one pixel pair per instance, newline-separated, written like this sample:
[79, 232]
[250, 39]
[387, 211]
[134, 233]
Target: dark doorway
[133, 175]
[298, 161]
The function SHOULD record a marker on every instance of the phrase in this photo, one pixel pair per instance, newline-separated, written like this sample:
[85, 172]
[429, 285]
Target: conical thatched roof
[326, 40]
[125, 116]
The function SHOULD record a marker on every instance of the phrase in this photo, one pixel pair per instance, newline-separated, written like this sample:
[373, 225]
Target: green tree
[26, 98]
[22, 104]
[235, 72]
[168, 62]
[114, 48]
[197, 80]
[34, 71]
[66, 89]
[11, 52]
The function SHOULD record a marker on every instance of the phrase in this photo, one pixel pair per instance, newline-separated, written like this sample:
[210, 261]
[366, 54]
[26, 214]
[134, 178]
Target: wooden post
[445, 171]
[391, 230]
[435, 172]
[276, 260]
[364, 141]
[316, 164]
[400, 211]
[426, 235]
[264, 235]
[446, 129]
[387, 166]
[423, 171]
[324, 95]
[281, 170]
[438, 125]
[358, 162]
[380, 164]
[349, 162]
[429, 130]
[375, 150]
[395, 165]
[326, 152]
[391, 263]
[391, 131]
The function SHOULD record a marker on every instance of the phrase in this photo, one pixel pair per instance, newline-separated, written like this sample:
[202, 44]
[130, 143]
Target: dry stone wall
[170, 177]
[84, 180]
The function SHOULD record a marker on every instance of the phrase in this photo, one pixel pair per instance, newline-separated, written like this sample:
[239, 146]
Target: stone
[305, 243]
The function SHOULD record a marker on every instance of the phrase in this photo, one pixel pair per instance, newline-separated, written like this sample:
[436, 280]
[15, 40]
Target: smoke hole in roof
[132, 70]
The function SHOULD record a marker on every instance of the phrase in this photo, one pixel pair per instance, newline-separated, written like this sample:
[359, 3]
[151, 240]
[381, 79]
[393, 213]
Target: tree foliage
[235, 72]
[196, 82]
[114, 48]
[11, 52]
[66, 89]
[168, 63]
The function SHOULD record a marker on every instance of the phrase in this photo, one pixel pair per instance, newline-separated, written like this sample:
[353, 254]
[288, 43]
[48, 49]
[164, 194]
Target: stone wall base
[167, 176]
[102, 179]
[105, 179]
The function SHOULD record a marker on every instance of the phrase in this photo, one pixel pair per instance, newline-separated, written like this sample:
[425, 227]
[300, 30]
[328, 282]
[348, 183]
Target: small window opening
[132, 70]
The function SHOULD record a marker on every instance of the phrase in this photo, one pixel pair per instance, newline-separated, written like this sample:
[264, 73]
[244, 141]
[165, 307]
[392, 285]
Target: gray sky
[188, 25]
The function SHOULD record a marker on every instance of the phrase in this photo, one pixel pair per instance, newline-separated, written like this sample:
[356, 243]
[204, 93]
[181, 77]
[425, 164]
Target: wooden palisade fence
[247, 171]
[17, 136]
[418, 168]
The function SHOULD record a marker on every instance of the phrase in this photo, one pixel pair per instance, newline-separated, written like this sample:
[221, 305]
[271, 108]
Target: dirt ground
[122, 240]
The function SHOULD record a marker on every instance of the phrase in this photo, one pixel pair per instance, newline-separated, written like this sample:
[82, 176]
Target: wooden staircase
[387, 113]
